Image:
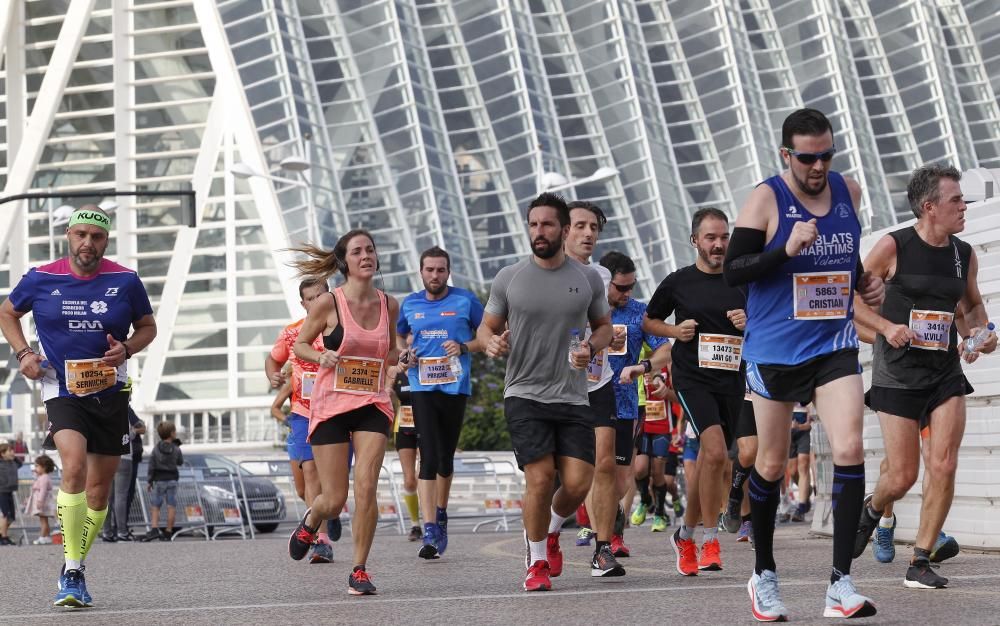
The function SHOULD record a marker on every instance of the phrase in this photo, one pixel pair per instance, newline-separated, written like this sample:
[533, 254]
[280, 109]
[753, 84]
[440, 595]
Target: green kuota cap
[94, 218]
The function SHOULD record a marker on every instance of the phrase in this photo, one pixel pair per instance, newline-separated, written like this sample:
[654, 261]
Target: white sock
[686, 532]
[537, 551]
[710, 533]
[555, 524]
[885, 522]
[71, 564]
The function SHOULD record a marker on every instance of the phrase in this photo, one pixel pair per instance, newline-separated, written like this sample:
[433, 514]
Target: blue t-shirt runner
[74, 316]
[454, 317]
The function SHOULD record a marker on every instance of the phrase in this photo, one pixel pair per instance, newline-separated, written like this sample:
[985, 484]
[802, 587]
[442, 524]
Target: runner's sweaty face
[810, 179]
[434, 272]
[87, 244]
[712, 241]
[583, 233]
[620, 289]
[545, 231]
[361, 257]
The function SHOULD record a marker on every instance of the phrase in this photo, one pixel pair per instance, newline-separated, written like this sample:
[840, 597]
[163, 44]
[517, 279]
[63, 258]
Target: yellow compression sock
[92, 524]
[72, 510]
[412, 506]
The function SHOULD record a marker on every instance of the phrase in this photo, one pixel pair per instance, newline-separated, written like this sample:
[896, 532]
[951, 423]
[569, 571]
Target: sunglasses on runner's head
[808, 158]
[624, 288]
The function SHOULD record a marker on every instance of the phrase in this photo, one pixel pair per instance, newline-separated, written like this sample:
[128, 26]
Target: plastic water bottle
[977, 340]
[456, 366]
[574, 345]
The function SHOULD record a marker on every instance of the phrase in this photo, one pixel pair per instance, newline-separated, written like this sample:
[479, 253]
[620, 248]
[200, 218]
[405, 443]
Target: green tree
[485, 426]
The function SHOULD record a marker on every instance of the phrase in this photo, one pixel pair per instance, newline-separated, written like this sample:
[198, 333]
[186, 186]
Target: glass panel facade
[435, 122]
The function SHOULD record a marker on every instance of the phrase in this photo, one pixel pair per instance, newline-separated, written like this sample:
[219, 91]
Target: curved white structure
[433, 122]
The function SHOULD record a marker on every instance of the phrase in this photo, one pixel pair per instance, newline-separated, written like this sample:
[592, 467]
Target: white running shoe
[843, 600]
[765, 599]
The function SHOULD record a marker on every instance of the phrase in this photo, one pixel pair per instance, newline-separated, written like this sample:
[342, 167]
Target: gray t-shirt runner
[542, 307]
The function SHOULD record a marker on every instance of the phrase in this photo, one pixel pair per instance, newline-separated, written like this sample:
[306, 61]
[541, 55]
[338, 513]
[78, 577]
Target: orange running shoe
[687, 554]
[711, 556]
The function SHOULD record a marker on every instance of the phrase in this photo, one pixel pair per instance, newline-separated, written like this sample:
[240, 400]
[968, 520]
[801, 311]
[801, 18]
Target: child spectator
[8, 485]
[162, 480]
[42, 501]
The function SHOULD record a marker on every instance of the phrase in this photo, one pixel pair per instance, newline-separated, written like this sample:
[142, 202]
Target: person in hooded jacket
[162, 480]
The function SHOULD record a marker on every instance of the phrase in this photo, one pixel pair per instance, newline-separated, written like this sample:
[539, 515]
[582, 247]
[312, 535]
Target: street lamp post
[291, 164]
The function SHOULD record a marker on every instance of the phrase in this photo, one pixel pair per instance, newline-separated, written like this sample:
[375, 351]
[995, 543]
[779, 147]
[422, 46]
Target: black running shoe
[732, 520]
[921, 575]
[866, 526]
[415, 534]
[604, 564]
[302, 538]
[334, 528]
[359, 583]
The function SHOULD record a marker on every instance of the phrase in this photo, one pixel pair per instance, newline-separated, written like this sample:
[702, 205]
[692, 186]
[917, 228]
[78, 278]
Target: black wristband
[464, 349]
[647, 366]
[128, 353]
[593, 351]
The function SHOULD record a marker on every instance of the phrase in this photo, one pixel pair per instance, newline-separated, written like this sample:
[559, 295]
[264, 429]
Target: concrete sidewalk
[477, 582]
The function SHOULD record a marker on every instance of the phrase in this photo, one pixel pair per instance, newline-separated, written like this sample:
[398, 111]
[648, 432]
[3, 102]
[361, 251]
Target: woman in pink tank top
[350, 398]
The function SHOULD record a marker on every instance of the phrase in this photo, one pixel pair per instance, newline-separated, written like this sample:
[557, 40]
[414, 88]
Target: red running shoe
[618, 547]
[537, 578]
[554, 554]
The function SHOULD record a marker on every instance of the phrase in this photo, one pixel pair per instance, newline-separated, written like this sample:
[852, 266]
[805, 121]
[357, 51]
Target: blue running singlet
[805, 308]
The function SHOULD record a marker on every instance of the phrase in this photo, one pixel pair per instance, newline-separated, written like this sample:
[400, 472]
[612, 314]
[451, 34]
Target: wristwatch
[647, 366]
[464, 349]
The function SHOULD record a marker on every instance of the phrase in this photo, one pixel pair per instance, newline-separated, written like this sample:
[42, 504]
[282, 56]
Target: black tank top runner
[927, 278]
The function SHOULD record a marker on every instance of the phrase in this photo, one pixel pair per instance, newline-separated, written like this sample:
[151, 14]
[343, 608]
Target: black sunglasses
[808, 158]
[624, 288]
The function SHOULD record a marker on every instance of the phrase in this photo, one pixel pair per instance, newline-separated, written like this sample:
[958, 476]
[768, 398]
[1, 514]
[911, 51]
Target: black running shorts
[916, 404]
[798, 383]
[338, 428]
[406, 439]
[603, 406]
[539, 429]
[101, 419]
[746, 426]
[801, 443]
[625, 440]
[705, 409]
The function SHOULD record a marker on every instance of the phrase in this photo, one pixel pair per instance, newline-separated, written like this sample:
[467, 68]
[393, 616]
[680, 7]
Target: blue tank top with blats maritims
[805, 307]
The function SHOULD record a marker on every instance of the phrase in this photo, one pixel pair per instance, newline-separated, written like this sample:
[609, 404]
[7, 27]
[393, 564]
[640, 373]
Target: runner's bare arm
[143, 334]
[880, 264]
[394, 350]
[494, 335]
[322, 315]
[31, 363]
[272, 369]
[279, 401]
[973, 309]
[601, 333]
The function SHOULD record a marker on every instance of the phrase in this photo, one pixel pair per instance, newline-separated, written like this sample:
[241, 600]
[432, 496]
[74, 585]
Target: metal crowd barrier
[208, 504]
[260, 513]
[25, 525]
[478, 494]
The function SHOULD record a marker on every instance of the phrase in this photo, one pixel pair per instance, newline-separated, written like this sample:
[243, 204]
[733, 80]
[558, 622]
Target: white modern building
[435, 122]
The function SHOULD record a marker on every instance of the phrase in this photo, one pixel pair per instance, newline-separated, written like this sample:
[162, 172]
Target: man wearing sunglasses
[586, 222]
[708, 377]
[796, 245]
[626, 316]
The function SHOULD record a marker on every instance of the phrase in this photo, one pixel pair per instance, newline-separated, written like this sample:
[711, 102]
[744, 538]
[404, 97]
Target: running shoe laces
[843, 600]
[767, 594]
